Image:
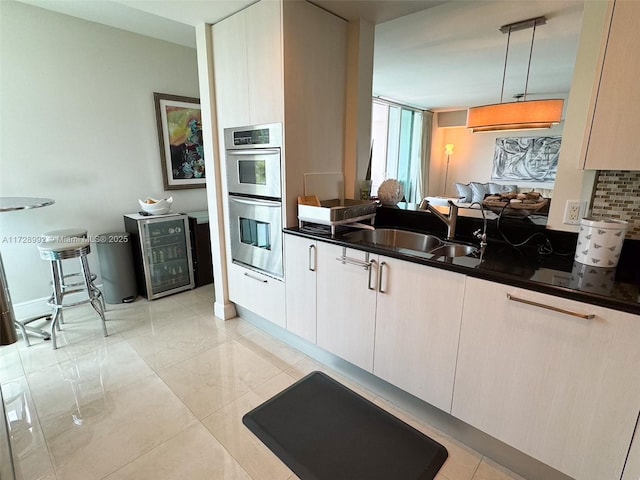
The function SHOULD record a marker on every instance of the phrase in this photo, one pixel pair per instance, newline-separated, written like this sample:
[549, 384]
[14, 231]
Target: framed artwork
[526, 159]
[179, 124]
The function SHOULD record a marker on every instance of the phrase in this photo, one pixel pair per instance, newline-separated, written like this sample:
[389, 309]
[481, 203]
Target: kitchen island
[511, 341]
[554, 272]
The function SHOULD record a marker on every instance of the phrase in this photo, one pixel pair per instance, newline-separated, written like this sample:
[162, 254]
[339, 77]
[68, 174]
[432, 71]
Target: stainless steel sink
[453, 250]
[395, 239]
[422, 244]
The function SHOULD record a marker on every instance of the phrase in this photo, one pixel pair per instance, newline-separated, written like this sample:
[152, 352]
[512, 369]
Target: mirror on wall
[452, 56]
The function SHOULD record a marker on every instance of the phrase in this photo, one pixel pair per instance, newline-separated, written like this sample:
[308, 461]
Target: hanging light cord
[504, 71]
[506, 57]
[526, 85]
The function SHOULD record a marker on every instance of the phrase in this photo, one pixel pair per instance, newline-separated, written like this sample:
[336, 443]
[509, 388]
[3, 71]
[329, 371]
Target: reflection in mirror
[450, 57]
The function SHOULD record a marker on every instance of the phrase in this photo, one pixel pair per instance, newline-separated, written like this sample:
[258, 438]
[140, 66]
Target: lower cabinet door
[632, 467]
[417, 327]
[346, 308]
[562, 389]
[300, 267]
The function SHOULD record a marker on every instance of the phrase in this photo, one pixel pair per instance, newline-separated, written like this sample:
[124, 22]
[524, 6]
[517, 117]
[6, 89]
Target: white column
[360, 36]
[573, 183]
[223, 307]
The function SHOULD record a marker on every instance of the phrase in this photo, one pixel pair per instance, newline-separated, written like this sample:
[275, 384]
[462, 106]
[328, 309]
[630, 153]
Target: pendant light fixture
[520, 115]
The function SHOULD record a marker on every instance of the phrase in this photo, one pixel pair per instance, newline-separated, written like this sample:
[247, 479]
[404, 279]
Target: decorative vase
[390, 192]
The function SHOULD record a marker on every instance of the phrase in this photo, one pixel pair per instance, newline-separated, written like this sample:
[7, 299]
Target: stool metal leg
[57, 306]
[54, 252]
[61, 277]
[23, 331]
[91, 291]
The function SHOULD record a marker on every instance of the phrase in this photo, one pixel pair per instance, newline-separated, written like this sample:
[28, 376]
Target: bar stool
[55, 252]
[63, 236]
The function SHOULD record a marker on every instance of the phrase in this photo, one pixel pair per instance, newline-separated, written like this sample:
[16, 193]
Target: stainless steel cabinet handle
[382, 264]
[353, 261]
[312, 256]
[371, 264]
[586, 316]
[261, 151]
[255, 278]
[255, 202]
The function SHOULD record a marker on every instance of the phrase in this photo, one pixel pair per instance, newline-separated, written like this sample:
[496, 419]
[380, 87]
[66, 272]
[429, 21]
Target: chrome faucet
[449, 220]
[481, 234]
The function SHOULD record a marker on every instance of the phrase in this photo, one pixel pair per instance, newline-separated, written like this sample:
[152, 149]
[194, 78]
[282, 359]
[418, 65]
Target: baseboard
[225, 311]
[31, 308]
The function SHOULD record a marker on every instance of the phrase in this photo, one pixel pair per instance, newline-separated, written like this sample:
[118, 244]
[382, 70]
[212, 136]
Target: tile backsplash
[617, 195]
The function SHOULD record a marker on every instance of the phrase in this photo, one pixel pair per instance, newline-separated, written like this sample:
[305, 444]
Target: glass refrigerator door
[167, 255]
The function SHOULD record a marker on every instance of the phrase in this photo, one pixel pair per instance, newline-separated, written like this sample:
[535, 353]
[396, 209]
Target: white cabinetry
[417, 327]
[562, 389]
[274, 57]
[611, 144]
[264, 62]
[301, 260]
[396, 319]
[257, 292]
[632, 468]
[285, 62]
[346, 305]
[247, 51]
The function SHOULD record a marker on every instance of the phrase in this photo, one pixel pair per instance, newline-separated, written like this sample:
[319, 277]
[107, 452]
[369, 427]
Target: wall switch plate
[574, 211]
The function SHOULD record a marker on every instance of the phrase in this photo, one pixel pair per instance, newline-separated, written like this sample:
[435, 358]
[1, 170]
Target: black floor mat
[324, 431]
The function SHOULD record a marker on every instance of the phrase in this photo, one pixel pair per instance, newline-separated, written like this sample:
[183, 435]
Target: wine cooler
[162, 253]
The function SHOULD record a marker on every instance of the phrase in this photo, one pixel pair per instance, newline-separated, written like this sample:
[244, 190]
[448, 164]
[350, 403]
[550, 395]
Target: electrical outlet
[574, 211]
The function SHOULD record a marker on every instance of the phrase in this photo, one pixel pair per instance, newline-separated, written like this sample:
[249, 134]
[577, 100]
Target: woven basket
[515, 209]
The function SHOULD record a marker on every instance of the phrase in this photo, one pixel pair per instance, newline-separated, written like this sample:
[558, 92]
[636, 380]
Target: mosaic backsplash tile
[617, 195]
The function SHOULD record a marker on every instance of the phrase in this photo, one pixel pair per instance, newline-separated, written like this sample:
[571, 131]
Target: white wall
[78, 125]
[472, 158]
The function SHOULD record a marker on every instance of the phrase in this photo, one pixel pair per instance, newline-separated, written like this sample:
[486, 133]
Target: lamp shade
[448, 148]
[531, 114]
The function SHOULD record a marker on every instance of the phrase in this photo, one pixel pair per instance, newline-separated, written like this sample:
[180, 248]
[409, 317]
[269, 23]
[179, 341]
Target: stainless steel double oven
[254, 181]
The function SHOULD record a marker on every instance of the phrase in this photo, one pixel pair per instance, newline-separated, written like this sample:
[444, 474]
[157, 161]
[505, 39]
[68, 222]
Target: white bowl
[157, 207]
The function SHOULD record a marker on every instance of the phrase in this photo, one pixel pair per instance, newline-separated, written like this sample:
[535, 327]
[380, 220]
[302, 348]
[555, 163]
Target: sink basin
[395, 239]
[453, 250]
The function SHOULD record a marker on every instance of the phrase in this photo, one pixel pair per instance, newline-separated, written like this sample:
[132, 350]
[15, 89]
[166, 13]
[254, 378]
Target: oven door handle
[255, 202]
[256, 151]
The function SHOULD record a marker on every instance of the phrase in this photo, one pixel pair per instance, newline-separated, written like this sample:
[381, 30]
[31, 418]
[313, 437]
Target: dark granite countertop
[532, 266]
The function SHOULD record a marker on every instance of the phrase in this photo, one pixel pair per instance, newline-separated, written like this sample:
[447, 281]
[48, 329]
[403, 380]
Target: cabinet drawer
[558, 387]
[259, 293]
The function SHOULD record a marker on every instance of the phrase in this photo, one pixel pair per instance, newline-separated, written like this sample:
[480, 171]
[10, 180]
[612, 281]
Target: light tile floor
[163, 396]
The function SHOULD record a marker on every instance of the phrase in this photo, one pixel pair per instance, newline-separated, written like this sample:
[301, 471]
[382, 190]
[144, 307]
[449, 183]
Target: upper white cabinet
[417, 327]
[247, 50]
[301, 265]
[231, 73]
[611, 143]
[563, 389]
[285, 62]
[264, 62]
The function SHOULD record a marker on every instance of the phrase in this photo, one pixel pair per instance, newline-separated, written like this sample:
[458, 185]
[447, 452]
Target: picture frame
[179, 123]
[526, 159]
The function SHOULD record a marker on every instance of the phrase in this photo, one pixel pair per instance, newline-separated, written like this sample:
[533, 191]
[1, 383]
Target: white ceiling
[453, 55]
[428, 53]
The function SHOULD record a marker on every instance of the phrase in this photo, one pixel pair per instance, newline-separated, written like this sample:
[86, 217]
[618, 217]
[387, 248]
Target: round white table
[8, 321]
